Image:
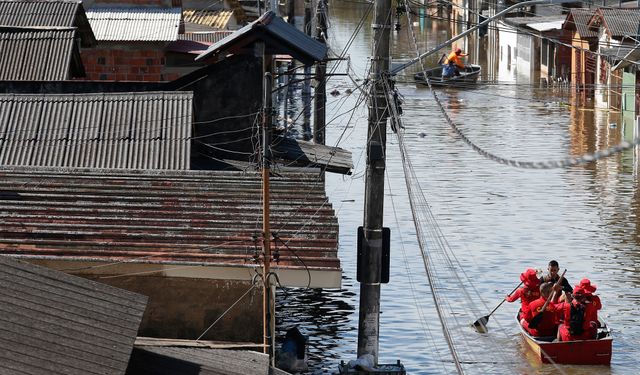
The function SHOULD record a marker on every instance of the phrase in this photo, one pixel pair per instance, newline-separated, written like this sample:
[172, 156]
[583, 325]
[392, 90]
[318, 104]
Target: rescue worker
[548, 326]
[593, 301]
[528, 293]
[580, 316]
[552, 276]
[453, 63]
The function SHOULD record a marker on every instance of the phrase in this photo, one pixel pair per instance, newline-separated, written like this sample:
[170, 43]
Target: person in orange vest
[580, 316]
[528, 293]
[453, 63]
[548, 325]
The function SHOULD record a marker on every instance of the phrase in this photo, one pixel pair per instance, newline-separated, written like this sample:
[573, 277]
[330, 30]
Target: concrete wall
[183, 308]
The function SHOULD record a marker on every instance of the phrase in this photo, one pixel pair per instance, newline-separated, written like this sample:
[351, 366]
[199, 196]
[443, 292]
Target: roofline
[290, 276]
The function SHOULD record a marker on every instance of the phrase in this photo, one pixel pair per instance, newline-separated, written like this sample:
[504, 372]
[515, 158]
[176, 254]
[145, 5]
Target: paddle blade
[481, 324]
[536, 320]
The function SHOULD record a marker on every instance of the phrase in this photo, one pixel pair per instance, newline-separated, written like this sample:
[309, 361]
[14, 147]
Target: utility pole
[319, 118]
[370, 262]
[268, 305]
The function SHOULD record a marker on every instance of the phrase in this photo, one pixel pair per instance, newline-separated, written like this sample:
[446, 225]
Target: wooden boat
[584, 352]
[468, 77]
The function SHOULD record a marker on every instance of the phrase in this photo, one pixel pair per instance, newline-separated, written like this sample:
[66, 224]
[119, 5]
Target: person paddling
[580, 316]
[453, 63]
[527, 293]
[553, 277]
[548, 326]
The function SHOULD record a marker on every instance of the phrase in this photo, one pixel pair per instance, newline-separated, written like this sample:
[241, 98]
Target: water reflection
[499, 220]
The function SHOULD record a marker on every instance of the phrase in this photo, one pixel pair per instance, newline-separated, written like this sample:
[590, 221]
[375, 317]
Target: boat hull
[583, 352]
[468, 77]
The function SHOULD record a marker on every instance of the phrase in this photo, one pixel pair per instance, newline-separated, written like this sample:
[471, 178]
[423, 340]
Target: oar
[538, 318]
[481, 324]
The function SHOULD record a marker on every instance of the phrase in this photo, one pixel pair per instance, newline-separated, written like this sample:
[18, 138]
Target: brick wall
[109, 64]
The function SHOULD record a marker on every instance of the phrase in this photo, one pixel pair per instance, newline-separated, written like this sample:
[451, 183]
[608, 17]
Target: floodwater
[497, 220]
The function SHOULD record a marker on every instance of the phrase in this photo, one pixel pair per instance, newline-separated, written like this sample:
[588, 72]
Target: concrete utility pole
[321, 71]
[268, 304]
[369, 318]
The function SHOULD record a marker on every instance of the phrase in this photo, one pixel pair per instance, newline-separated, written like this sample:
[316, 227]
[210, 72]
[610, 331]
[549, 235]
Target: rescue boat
[583, 352]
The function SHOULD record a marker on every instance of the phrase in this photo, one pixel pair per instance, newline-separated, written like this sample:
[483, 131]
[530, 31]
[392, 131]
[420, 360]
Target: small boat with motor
[468, 77]
[582, 352]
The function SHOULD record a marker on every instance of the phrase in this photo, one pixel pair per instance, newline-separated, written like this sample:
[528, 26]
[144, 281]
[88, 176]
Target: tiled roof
[279, 36]
[165, 217]
[37, 55]
[578, 19]
[619, 22]
[115, 130]
[53, 323]
[217, 19]
[135, 24]
[59, 13]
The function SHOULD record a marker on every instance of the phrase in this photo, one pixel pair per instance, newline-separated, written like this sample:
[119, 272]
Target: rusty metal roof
[38, 55]
[54, 323]
[164, 217]
[135, 23]
[105, 130]
[618, 23]
[578, 19]
[217, 19]
[279, 37]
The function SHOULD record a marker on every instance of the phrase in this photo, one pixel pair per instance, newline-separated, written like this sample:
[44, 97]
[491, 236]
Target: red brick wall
[125, 65]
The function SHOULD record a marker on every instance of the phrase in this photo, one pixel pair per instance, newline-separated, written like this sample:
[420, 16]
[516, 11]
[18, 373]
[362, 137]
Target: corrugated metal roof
[187, 46]
[578, 19]
[546, 26]
[111, 130]
[206, 37]
[280, 38]
[621, 56]
[54, 323]
[135, 24]
[218, 19]
[619, 22]
[36, 55]
[164, 217]
[60, 13]
[160, 360]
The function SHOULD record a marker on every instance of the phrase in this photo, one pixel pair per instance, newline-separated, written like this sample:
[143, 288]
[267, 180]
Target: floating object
[582, 352]
[335, 92]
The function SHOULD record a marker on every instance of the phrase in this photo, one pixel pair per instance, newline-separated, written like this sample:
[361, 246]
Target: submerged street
[497, 220]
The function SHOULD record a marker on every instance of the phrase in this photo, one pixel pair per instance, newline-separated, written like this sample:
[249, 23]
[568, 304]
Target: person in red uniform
[548, 325]
[580, 316]
[453, 63]
[528, 293]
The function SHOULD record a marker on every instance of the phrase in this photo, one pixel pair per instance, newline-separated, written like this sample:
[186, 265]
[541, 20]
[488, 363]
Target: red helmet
[458, 50]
